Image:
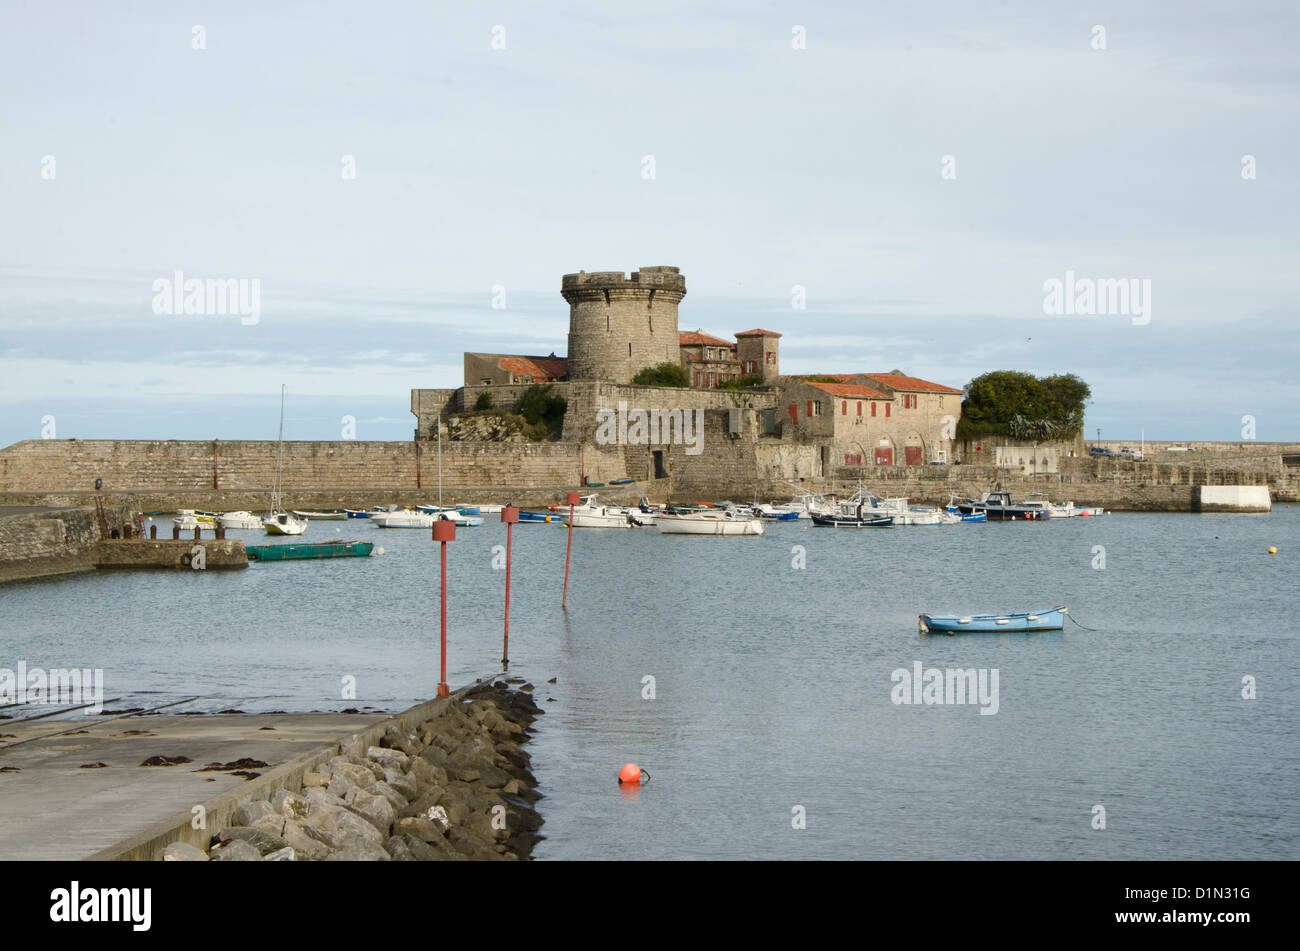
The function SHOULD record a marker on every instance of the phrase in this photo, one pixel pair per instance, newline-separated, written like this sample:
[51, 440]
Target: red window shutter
[873, 408]
[887, 405]
[794, 412]
[859, 407]
[844, 407]
[810, 402]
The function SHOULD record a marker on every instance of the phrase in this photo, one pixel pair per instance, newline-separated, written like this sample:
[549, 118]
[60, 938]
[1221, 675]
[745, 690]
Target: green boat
[311, 550]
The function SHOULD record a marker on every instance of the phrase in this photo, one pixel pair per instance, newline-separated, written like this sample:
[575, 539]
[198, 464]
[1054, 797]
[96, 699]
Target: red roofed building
[708, 360]
[503, 369]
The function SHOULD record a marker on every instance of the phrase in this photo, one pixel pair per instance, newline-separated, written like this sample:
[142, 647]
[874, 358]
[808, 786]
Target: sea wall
[51, 542]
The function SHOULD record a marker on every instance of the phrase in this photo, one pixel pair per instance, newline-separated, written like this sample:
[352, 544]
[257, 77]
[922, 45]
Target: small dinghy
[849, 521]
[1052, 619]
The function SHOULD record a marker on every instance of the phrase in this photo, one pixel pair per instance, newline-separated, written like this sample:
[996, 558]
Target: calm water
[773, 684]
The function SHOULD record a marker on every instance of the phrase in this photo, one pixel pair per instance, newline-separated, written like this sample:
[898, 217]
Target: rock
[335, 825]
[342, 787]
[183, 852]
[285, 854]
[424, 852]
[514, 787]
[236, 850]
[323, 797]
[404, 783]
[395, 799]
[397, 848]
[466, 774]
[394, 759]
[493, 777]
[315, 779]
[423, 829]
[288, 804]
[421, 804]
[422, 774]
[377, 810]
[260, 839]
[359, 852]
[250, 812]
[304, 846]
[354, 773]
[435, 756]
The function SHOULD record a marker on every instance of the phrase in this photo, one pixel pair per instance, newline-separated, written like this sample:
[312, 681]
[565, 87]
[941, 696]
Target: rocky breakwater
[456, 788]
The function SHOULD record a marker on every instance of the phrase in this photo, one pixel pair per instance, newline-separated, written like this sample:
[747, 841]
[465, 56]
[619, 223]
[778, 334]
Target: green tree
[484, 401]
[663, 374]
[543, 410]
[742, 382]
[1023, 406]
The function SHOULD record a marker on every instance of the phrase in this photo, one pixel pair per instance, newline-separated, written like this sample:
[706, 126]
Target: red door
[913, 455]
[884, 457]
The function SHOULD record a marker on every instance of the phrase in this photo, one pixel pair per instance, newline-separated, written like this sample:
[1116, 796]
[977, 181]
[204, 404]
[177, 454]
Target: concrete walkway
[53, 809]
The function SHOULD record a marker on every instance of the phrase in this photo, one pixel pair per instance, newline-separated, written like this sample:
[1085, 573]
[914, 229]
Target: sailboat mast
[279, 461]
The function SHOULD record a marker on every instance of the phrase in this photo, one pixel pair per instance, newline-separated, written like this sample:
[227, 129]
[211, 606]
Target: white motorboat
[708, 523]
[403, 518]
[243, 520]
[601, 517]
[284, 523]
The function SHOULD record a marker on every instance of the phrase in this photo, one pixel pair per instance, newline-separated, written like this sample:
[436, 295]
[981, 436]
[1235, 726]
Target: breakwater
[456, 787]
[41, 541]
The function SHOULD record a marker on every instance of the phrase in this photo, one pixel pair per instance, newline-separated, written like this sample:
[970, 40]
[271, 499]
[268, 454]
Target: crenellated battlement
[622, 323]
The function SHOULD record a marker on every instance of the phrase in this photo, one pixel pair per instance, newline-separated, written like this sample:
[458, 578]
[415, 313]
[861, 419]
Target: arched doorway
[884, 451]
[914, 451]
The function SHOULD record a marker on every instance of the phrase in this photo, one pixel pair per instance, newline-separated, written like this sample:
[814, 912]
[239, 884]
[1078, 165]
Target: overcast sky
[126, 154]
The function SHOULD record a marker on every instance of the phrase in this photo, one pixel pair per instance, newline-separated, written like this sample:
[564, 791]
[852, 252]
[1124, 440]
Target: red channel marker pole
[509, 515]
[573, 500]
[444, 530]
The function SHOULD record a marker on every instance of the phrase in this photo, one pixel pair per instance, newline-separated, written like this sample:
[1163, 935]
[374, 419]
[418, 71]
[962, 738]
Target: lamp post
[509, 515]
[444, 530]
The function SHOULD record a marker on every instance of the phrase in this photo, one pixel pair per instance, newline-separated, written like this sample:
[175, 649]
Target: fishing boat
[189, 518]
[998, 507]
[244, 520]
[1052, 619]
[585, 504]
[832, 520]
[278, 521]
[774, 513]
[708, 523]
[334, 515]
[309, 550]
[357, 513]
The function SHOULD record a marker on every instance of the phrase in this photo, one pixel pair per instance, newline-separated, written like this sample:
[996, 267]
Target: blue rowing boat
[1052, 619]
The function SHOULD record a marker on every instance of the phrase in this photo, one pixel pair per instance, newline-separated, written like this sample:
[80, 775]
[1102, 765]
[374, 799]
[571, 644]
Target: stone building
[788, 429]
[708, 360]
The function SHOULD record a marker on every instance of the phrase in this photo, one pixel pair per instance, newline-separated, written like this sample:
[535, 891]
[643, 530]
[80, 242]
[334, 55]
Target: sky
[914, 174]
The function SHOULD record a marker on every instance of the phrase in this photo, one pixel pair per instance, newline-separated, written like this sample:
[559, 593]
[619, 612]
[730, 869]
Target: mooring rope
[1092, 629]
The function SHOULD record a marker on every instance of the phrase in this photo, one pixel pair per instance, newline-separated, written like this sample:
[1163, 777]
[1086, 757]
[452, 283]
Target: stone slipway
[54, 809]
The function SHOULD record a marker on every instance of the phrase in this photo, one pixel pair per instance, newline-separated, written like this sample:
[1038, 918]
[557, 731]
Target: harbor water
[756, 679]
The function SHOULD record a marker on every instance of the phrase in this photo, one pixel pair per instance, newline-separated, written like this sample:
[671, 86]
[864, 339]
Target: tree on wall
[742, 382]
[1023, 406]
[543, 410]
[663, 374]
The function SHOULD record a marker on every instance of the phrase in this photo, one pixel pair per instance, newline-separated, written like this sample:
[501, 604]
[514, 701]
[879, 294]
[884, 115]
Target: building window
[814, 408]
[859, 407]
[710, 378]
[873, 409]
[771, 358]
[844, 407]
[887, 405]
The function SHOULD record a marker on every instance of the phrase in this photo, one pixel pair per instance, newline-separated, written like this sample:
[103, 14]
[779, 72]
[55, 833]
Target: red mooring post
[564, 598]
[509, 515]
[444, 530]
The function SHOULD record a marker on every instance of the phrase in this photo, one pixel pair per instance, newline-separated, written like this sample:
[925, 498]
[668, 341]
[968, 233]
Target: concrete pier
[1231, 498]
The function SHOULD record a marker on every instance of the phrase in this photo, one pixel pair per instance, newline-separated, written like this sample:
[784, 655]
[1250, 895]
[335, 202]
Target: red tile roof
[539, 368]
[758, 333]
[854, 390]
[898, 381]
[699, 338]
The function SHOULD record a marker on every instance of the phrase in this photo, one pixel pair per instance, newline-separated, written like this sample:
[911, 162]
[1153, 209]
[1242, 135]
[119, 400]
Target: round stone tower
[620, 325]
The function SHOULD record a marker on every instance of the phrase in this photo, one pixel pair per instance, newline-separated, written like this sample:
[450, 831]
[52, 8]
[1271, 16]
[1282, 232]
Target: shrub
[543, 410]
[663, 374]
[484, 400]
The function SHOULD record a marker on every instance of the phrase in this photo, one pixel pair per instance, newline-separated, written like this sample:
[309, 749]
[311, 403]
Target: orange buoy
[631, 773]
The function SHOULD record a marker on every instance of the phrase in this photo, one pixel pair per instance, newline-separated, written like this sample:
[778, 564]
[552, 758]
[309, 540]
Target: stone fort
[778, 429]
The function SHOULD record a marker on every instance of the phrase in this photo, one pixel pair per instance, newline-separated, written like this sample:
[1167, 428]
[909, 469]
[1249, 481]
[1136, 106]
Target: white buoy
[379, 550]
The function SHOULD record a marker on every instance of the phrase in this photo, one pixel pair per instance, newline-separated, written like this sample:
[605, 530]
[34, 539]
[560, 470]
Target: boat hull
[844, 521]
[1052, 619]
[688, 525]
[309, 550]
